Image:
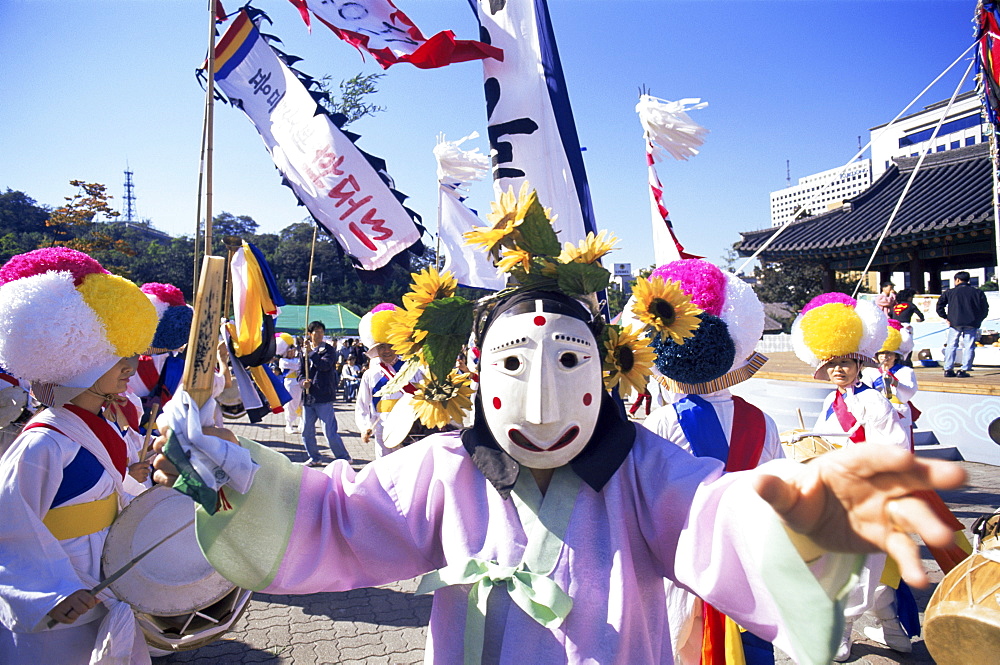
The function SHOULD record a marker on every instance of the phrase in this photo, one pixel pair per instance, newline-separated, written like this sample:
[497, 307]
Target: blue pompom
[706, 356]
[172, 333]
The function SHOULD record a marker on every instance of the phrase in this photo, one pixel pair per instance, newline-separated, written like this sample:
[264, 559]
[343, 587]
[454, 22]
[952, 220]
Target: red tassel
[224, 504]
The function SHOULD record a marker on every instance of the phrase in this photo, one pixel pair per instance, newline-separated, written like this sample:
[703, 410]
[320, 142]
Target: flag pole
[209, 122]
[309, 284]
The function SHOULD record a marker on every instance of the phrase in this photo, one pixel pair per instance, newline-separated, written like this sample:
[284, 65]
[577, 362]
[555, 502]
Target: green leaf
[441, 353]
[580, 279]
[447, 316]
[537, 235]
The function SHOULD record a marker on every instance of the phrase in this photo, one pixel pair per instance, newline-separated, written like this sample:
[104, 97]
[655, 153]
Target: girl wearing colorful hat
[74, 331]
[838, 335]
[372, 409]
[892, 377]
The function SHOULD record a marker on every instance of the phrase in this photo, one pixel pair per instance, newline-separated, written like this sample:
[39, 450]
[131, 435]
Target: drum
[805, 448]
[179, 600]
[962, 621]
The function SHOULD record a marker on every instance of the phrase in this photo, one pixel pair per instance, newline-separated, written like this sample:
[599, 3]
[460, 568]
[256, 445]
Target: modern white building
[910, 135]
[820, 192]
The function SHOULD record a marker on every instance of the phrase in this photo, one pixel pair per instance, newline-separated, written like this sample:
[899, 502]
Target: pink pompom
[826, 298]
[893, 323]
[383, 307]
[166, 293]
[50, 259]
[701, 280]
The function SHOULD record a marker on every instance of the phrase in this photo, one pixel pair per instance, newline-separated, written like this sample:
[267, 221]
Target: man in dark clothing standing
[964, 307]
[320, 389]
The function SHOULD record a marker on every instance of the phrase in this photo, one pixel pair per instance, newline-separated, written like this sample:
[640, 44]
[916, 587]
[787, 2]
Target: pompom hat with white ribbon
[834, 325]
[65, 320]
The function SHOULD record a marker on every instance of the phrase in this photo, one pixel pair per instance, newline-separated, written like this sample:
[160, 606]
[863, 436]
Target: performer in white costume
[372, 409]
[892, 377]
[61, 483]
[705, 419]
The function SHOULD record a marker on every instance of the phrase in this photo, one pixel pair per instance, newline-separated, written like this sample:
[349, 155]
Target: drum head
[399, 422]
[994, 430]
[175, 577]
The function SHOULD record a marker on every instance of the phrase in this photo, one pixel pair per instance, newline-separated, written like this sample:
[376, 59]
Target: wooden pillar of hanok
[829, 279]
[916, 272]
[934, 284]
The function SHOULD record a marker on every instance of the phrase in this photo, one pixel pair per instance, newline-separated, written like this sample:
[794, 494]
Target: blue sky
[92, 85]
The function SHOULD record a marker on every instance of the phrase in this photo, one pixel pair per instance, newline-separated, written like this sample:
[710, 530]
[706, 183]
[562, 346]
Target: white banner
[324, 168]
[531, 129]
[470, 266]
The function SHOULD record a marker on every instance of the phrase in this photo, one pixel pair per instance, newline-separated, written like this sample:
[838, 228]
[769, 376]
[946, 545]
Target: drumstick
[111, 579]
[802, 422]
[149, 430]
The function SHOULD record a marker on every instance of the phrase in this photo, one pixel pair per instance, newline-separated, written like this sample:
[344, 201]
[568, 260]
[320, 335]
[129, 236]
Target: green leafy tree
[351, 98]
[227, 224]
[19, 213]
[794, 282]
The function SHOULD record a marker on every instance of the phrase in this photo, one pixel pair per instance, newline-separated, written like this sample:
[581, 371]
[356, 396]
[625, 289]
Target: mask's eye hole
[568, 360]
[512, 363]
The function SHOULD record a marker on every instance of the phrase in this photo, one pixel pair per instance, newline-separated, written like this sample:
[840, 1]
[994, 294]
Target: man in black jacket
[320, 389]
[964, 307]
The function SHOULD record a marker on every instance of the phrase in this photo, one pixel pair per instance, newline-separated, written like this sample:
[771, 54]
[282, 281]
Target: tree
[794, 282]
[353, 91]
[227, 224]
[19, 213]
[80, 209]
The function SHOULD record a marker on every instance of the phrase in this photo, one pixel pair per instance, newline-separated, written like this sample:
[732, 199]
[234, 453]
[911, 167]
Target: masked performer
[75, 332]
[546, 530]
[706, 419]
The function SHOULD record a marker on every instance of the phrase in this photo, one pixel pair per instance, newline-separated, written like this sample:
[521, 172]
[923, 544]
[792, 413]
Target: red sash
[746, 443]
[112, 440]
[147, 372]
[846, 418]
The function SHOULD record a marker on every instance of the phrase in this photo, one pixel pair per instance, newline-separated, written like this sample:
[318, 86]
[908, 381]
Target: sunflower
[591, 249]
[627, 359]
[428, 285]
[507, 214]
[405, 339]
[513, 257]
[438, 403]
[665, 307]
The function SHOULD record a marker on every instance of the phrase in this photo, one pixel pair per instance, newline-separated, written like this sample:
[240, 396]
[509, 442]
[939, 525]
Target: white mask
[541, 386]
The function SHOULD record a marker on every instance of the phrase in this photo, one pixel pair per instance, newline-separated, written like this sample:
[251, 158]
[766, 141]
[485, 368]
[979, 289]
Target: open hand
[857, 500]
[166, 472]
[73, 606]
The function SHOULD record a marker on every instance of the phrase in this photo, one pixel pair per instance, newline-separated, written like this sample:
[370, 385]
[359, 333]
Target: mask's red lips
[523, 442]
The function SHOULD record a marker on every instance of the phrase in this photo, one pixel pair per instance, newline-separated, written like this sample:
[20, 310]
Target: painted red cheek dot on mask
[496, 402]
[539, 320]
[587, 399]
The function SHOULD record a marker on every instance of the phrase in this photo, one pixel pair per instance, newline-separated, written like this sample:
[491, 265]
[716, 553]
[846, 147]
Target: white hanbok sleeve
[36, 570]
[364, 411]
[880, 420]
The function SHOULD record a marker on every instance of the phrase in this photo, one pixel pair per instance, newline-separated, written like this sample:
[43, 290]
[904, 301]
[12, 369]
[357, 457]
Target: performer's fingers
[220, 432]
[161, 440]
[913, 515]
[901, 547]
[781, 495]
[942, 475]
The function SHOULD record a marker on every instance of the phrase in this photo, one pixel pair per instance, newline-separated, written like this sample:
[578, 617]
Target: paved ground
[388, 624]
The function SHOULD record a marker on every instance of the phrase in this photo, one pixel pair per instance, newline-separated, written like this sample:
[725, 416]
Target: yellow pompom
[380, 325]
[128, 317]
[893, 341]
[287, 339]
[832, 330]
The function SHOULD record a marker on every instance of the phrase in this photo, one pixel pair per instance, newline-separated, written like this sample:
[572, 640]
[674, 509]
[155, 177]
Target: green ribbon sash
[544, 521]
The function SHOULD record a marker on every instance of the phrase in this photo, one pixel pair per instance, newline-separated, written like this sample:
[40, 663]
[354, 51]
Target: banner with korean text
[379, 28]
[531, 129]
[335, 180]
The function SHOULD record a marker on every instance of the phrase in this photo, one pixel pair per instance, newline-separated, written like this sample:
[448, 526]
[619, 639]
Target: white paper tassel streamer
[667, 126]
[456, 166]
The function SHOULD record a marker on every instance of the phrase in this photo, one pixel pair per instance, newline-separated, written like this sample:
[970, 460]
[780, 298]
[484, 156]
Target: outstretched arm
[857, 500]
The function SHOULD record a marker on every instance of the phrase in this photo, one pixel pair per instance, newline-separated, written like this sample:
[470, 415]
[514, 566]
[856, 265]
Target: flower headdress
[704, 323]
[174, 315]
[834, 325]
[65, 321]
[434, 325]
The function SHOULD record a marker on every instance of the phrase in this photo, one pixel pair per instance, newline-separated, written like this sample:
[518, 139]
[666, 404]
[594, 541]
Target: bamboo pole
[209, 127]
[309, 283]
